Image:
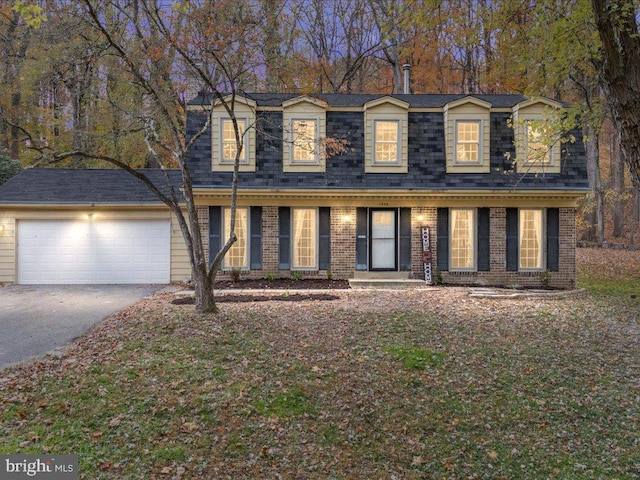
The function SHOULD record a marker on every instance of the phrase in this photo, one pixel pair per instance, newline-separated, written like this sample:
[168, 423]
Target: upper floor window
[468, 142]
[386, 141]
[224, 145]
[467, 135]
[304, 137]
[537, 149]
[229, 144]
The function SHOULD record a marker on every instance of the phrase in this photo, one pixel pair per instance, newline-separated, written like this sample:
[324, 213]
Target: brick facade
[343, 251]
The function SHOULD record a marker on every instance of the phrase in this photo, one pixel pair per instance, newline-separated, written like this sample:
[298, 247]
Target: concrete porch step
[391, 283]
[363, 275]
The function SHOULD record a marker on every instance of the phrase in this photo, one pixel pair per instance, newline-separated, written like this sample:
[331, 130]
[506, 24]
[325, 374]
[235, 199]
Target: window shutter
[255, 249]
[361, 239]
[284, 238]
[405, 239]
[484, 247]
[512, 239]
[215, 232]
[324, 247]
[443, 239]
[553, 239]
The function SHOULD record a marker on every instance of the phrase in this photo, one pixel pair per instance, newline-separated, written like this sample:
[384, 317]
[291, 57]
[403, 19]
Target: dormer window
[466, 127]
[304, 124]
[229, 144]
[386, 141]
[386, 126]
[537, 145]
[304, 137]
[468, 142]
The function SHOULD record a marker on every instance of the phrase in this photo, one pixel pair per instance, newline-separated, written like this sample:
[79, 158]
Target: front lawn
[394, 385]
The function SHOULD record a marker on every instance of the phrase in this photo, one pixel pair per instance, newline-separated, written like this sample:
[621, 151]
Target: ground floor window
[238, 254]
[305, 238]
[530, 238]
[462, 236]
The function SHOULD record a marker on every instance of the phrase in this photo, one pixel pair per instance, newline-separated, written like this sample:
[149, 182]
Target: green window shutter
[255, 249]
[405, 239]
[361, 239]
[324, 247]
[443, 239]
[512, 240]
[284, 238]
[215, 232]
[553, 239]
[483, 240]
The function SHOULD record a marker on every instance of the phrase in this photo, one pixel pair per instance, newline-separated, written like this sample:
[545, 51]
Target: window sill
[471, 168]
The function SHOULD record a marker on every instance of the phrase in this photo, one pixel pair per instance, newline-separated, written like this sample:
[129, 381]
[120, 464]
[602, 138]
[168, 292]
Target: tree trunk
[203, 286]
[617, 173]
[595, 231]
[618, 30]
[635, 217]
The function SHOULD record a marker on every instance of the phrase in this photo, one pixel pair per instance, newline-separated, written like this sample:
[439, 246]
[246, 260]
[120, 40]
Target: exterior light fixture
[421, 218]
[90, 216]
[346, 218]
[2, 228]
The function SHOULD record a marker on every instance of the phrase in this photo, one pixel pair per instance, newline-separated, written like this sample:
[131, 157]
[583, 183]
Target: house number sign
[426, 254]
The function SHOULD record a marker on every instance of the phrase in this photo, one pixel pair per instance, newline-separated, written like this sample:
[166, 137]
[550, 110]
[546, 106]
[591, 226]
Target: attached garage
[93, 251]
[90, 226]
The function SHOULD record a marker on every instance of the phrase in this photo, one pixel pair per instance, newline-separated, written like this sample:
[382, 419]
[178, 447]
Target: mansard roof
[359, 100]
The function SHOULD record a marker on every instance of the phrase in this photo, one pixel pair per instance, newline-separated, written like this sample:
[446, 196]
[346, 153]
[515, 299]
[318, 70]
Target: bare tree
[212, 40]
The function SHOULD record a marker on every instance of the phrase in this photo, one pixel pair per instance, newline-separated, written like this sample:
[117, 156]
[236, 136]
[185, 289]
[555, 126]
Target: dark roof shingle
[84, 186]
[358, 100]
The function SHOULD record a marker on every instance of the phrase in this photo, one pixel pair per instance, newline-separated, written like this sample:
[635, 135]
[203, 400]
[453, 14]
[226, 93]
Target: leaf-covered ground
[374, 385]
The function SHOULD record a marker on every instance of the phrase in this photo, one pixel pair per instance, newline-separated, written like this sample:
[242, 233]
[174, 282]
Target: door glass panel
[383, 240]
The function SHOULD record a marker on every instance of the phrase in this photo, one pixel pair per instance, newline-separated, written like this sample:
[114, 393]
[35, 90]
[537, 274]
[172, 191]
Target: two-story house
[470, 189]
[498, 201]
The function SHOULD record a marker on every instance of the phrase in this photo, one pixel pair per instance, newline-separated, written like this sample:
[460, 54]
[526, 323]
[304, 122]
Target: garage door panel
[93, 252]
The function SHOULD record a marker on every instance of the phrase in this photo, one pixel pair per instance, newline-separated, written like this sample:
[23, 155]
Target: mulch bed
[283, 284]
[296, 297]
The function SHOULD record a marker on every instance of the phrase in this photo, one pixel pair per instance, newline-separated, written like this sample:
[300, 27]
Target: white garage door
[96, 252]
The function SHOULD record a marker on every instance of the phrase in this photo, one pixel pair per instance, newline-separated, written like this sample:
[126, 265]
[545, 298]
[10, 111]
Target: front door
[383, 237]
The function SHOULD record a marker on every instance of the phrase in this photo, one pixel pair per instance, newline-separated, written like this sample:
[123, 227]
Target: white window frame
[226, 212]
[474, 242]
[480, 143]
[314, 160]
[545, 161]
[316, 239]
[242, 124]
[541, 240]
[398, 143]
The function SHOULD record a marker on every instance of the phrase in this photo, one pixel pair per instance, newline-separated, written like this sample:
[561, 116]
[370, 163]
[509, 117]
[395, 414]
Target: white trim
[224, 235]
[542, 240]
[293, 238]
[398, 142]
[474, 240]
[480, 143]
[315, 141]
[246, 144]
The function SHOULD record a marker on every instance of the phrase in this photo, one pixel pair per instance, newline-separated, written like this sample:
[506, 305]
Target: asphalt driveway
[35, 320]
